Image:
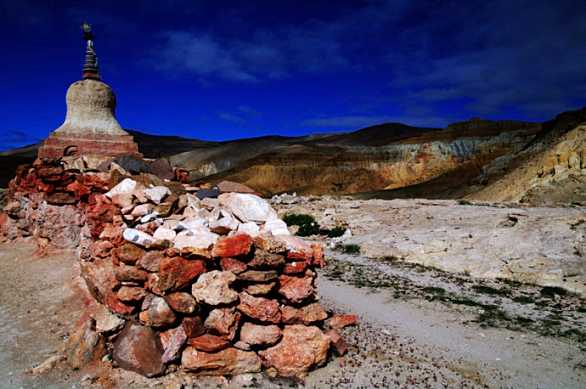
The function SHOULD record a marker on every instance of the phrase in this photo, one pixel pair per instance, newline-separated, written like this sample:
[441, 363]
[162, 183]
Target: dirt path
[37, 309]
[405, 339]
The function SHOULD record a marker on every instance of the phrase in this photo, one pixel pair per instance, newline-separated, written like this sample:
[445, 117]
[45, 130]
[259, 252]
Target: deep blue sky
[229, 69]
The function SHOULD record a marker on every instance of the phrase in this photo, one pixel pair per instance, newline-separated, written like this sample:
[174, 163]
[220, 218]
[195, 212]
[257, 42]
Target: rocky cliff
[336, 165]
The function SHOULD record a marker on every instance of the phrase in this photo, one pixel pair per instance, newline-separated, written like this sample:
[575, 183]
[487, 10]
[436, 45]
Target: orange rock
[131, 293]
[208, 343]
[259, 335]
[300, 349]
[139, 349]
[232, 246]
[129, 253]
[296, 289]
[233, 265]
[305, 315]
[223, 322]
[318, 255]
[193, 326]
[182, 302]
[176, 273]
[338, 343]
[260, 308]
[295, 267]
[337, 322]
[230, 361]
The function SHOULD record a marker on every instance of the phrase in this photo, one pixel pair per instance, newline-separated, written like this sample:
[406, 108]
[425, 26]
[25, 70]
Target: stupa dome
[90, 109]
[90, 126]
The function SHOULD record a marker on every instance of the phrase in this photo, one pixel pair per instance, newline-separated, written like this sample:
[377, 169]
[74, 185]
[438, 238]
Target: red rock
[259, 335]
[151, 261]
[181, 302]
[260, 308]
[260, 289]
[305, 315]
[130, 274]
[337, 322]
[129, 253]
[99, 214]
[298, 249]
[139, 349]
[131, 293]
[208, 343]
[232, 265]
[193, 326]
[158, 314]
[101, 282]
[232, 246]
[176, 273]
[296, 289]
[213, 288]
[230, 361]
[337, 342]
[85, 345]
[265, 260]
[112, 301]
[152, 284]
[101, 248]
[295, 267]
[258, 275]
[318, 255]
[223, 322]
[173, 341]
[300, 349]
[56, 144]
[112, 233]
[79, 191]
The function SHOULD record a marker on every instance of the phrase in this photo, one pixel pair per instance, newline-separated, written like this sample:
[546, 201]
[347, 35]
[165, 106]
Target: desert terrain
[463, 255]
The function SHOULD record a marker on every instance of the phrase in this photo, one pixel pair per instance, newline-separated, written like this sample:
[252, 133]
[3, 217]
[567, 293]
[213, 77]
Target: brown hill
[477, 159]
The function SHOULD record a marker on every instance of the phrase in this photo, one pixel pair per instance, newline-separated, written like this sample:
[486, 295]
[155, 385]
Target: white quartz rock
[157, 194]
[247, 207]
[142, 210]
[224, 225]
[249, 228]
[137, 237]
[199, 239]
[275, 227]
[163, 233]
[126, 186]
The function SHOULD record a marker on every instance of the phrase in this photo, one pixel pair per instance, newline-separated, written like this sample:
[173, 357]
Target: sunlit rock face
[90, 127]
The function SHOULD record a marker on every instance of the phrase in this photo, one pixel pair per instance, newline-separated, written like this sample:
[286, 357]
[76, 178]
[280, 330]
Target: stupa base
[57, 146]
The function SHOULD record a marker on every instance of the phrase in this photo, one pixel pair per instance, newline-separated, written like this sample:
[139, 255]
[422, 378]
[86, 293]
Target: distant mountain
[467, 159]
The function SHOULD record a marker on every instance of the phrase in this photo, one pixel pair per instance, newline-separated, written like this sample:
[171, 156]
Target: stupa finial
[90, 67]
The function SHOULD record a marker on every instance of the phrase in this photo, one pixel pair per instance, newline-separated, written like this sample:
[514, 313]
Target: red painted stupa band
[90, 126]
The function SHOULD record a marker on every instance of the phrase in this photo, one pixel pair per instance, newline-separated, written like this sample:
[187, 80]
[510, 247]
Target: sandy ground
[405, 337]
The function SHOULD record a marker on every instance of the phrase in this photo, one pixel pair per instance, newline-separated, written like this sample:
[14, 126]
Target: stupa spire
[90, 67]
[90, 126]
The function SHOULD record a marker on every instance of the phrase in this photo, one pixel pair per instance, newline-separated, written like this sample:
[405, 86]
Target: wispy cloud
[354, 122]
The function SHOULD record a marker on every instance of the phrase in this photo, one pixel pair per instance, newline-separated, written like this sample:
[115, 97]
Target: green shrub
[334, 232]
[351, 249]
[306, 223]
[308, 226]
[298, 219]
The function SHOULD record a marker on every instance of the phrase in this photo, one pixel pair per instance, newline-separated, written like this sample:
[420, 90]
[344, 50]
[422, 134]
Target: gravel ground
[409, 335]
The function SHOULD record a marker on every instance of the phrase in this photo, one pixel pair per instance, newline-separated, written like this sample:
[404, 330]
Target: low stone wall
[213, 285]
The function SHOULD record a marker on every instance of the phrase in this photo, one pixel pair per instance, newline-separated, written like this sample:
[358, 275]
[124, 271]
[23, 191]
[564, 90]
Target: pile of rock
[216, 285]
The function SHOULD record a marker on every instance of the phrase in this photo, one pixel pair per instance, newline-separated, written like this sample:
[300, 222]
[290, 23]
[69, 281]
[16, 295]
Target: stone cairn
[215, 285]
